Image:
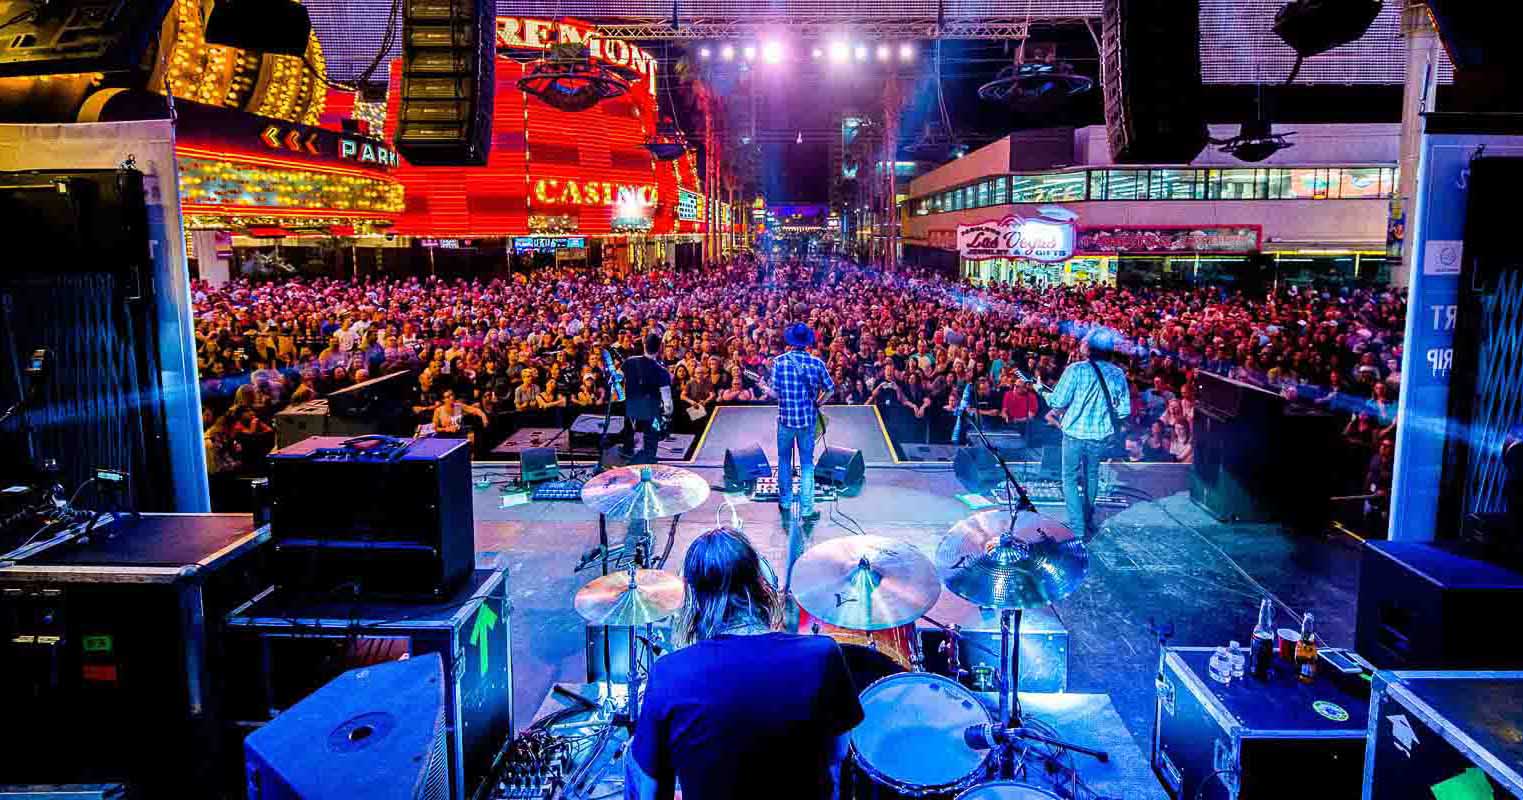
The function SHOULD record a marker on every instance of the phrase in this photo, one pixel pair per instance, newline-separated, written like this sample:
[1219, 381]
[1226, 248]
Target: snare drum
[1007, 790]
[870, 655]
[910, 745]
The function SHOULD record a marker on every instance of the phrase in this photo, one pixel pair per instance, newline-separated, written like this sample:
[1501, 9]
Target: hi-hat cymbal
[647, 492]
[611, 600]
[1041, 564]
[865, 583]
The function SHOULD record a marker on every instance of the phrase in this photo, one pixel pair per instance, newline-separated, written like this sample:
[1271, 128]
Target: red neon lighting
[533, 141]
[220, 210]
[258, 160]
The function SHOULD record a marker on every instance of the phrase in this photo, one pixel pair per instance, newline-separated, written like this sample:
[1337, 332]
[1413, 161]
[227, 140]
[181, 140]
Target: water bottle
[1239, 659]
[1221, 666]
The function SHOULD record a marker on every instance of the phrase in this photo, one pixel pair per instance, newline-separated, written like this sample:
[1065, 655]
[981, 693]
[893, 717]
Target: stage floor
[1163, 559]
[733, 427]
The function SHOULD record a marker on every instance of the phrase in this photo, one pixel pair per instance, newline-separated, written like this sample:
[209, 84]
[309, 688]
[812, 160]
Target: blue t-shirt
[742, 717]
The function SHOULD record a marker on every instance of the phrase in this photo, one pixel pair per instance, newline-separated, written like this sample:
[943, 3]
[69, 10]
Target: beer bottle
[1306, 651]
[1261, 646]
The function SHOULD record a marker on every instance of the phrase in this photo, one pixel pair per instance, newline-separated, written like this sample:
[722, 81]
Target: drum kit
[923, 735]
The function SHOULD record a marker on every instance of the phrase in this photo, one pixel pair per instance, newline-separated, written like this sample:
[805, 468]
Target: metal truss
[816, 27]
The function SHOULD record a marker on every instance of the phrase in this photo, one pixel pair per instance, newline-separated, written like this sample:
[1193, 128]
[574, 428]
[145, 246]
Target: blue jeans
[1081, 482]
[803, 440]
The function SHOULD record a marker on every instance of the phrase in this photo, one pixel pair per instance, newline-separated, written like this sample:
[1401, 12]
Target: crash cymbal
[611, 600]
[1041, 563]
[647, 492]
[865, 583]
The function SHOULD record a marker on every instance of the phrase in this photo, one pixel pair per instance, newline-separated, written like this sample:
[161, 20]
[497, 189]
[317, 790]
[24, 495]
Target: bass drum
[870, 655]
[910, 745]
[1007, 790]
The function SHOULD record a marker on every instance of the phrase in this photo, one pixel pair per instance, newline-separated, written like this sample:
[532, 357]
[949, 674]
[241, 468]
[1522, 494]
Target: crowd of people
[491, 356]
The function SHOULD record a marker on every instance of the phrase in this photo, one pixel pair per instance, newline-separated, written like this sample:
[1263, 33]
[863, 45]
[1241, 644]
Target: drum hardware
[634, 599]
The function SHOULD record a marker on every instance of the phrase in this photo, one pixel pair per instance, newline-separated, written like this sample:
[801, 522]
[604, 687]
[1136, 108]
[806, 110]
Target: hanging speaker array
[448, 52]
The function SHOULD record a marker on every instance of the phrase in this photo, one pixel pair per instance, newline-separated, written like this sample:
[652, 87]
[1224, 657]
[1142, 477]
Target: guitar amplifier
[392, 516]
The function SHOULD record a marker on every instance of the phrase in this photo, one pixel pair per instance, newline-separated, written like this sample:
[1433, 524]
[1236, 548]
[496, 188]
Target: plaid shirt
[1078, 391]
[797, 379]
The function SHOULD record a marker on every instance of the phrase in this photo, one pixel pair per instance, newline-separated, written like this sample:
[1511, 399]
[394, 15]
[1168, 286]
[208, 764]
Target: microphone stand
[1020, 500]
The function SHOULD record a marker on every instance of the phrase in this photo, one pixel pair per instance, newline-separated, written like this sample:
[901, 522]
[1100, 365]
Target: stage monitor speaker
[376, 732]
[743, 466]
[1425, 605]
[977, 469]
[281, 27]
[538, 464]
[71, 36]
[843, 468]
[1150, 71]
[448, 77]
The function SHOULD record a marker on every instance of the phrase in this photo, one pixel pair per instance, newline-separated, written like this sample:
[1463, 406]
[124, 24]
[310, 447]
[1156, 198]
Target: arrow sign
[271, 137]
[311, 143]
[486, 620]
[293, 140]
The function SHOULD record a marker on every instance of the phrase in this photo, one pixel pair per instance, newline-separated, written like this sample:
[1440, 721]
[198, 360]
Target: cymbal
[610, 600]
[646, 492]
[1043, 564]
[865, 583]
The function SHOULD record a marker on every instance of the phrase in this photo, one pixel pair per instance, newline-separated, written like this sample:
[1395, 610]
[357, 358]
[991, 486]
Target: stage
[1163, 560]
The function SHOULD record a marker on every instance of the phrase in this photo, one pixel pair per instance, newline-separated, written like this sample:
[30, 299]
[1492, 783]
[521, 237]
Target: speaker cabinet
[448, 50]
[744, 465]
[538, 464]
[1436, 606]
[1150, 71]
[377, 732]
[976, 469]
[843, 468]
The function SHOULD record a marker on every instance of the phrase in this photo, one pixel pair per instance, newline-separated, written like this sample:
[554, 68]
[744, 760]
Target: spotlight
[883, 52]
[704, 52]
[772, 52]
[727, 52]
[906, 52]
[839, 52]
[749, 52]
[816, 53]
[861, 52]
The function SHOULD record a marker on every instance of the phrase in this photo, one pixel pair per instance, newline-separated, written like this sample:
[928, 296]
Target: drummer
[742, 710]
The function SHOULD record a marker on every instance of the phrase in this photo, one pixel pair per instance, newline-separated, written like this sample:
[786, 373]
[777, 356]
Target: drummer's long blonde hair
[726, 588]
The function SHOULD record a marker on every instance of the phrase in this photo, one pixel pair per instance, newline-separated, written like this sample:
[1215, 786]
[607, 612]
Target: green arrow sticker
[486, 620]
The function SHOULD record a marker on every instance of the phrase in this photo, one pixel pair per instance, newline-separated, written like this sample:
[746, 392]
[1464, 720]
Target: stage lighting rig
[569, 80]
[1312, 27]
[668, 143]
[1027, 87]
[1255, 142]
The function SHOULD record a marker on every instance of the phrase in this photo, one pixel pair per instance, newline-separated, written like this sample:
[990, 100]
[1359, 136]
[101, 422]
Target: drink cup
[1285, 642]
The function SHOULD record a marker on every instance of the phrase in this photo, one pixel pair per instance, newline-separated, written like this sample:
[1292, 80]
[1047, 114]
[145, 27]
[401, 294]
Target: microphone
[962, 407]
[986, 736]
[615, 377]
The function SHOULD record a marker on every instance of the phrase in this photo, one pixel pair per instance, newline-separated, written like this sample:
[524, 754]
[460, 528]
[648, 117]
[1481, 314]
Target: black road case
[110, 657]
[288, 645]
[1445, 735]
[1256, 740]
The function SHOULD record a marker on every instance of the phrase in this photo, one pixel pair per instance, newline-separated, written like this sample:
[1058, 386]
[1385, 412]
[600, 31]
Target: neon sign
[1048, 237]
[367, 153]
[553, 191]
[519, 33]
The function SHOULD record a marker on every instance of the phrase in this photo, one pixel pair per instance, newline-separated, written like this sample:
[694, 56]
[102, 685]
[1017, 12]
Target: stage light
[906, 52]
[772, 52]
[704, 52]
[816, 53]
[839, 52]
[727, 52]
[749, 52]
[861, 52]
[883, 52]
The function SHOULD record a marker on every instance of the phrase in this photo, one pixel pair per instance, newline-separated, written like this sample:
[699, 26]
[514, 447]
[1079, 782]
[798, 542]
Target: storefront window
[1176, 184]
[968, 197]
[1001, 190]
[983, 194]
[1096, 184]
[1357, 182]
[1306, 184]
[1065, 187]
[1238, 184]
[1122, 184]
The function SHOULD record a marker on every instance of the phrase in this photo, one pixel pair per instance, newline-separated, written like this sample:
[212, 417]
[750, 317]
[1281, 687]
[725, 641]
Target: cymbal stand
[1009, 672]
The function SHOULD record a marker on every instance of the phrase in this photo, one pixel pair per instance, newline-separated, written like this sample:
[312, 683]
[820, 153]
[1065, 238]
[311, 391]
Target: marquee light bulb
[772, 52]
[704, 52]
[883, 52]
[727, 52]
[906, 52]
[861, 52]
[749, 52]
[839, 52]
